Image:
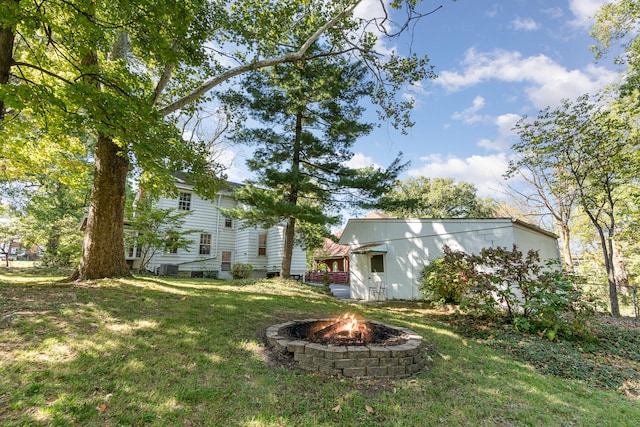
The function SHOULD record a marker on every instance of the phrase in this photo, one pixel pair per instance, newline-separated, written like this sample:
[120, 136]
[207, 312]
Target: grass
[190, 352]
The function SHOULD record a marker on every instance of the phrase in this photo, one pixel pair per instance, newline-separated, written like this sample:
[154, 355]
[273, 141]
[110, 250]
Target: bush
[444, 280]
[326, 280]
[498, 281]
[241, 271]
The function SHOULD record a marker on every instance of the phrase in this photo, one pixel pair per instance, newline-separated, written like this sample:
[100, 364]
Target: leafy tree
[590, 149]
[548, 188]
[436, 198]
[9, 233]
[155, 229]
[120, 72]
[312, 118]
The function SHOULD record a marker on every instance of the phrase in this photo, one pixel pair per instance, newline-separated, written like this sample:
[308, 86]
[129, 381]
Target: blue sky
[496, 61]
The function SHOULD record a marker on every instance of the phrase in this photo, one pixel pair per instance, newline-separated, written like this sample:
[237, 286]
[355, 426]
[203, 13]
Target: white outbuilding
[387, 255]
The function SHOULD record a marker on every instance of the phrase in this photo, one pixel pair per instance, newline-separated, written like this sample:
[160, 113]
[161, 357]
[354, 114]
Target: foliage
[510, 284]
[155, 229]
[326, 279]
[592, 149]
[443, 280]
[310, 116]
[241, 270]
[435, 198]
[117, 74]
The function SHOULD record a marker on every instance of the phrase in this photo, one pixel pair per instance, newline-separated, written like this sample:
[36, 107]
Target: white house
[392, 252]
[220, 242]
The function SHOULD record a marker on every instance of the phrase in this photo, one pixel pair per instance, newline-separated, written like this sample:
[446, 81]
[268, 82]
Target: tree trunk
[287, 251]
[290, 231]
[608, 264]
[103, 249]
[565, 239]
[6, 55]
[620, 270]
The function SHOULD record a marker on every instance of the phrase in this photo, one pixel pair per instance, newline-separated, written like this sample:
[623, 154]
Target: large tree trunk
[103, 249]
[290, 232]
[6, 54]
[287, 252]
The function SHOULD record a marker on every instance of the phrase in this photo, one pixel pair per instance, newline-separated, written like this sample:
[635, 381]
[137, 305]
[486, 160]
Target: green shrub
[515, 285]
[444, 280]
[241, 271]
[326, 280]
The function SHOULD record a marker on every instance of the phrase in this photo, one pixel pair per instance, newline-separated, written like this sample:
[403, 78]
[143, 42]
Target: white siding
[242, 242]
[275, 250]
[413, 243]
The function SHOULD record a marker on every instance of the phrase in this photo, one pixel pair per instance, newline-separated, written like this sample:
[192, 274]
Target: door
[377, 276]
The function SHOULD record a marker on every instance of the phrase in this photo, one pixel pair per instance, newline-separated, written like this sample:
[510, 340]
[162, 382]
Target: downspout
[215, 255]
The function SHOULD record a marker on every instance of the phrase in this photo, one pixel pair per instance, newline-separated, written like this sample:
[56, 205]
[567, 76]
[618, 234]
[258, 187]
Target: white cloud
[584, 10]
[547, 81]
[359, 160]
[524, 24]
[470, 115]
[554, 12]
[503, 141]
[485, 172]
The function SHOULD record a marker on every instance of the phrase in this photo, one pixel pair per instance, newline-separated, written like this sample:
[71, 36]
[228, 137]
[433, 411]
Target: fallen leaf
[184, 298]
[247, 376]
[101, 407]
[337, 409]
[464, 343]
[369, 409]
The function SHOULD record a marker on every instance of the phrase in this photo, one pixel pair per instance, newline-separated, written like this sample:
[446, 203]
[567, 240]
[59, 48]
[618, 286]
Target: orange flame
[353, 327]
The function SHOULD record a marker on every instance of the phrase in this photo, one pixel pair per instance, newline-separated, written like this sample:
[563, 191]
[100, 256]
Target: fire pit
[348, 347]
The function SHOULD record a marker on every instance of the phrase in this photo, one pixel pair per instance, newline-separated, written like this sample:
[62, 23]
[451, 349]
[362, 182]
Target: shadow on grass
[149, 351]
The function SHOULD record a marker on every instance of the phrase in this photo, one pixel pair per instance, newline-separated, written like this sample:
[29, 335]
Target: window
[171, 245]
[228, 222]
[262, 244]
[205, 244]
[225, 264]
[184, 202]
[377, 263]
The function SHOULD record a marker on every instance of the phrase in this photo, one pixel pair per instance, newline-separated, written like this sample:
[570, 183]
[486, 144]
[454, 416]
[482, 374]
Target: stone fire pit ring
[401, 359]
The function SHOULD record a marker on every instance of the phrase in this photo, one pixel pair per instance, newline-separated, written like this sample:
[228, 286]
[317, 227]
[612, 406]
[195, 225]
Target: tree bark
[7, 35]
[620, 270]
[290, 231]
[565, 239]
[607, 251]
[103, 248]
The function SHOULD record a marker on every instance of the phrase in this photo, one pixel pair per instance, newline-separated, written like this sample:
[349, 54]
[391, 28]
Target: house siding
[241, 242]
[413, 243]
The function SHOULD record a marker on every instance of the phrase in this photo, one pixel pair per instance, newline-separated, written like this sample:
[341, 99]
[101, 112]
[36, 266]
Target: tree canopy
[591, 149]
[436, 198]
[117, 74]
[310, 117]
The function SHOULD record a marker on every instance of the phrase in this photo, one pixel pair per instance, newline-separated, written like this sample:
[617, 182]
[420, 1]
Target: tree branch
[268, 62]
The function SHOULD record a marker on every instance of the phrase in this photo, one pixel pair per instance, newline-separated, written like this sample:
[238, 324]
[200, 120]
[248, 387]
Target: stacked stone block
[362, 361]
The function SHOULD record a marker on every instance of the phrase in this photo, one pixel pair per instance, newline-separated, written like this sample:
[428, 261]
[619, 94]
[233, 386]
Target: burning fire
[351, 326]
[344, 330]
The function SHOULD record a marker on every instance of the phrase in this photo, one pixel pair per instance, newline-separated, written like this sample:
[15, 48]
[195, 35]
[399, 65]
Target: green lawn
[156, 351]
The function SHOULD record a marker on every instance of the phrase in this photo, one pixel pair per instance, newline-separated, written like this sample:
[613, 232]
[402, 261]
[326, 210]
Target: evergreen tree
[311, 117]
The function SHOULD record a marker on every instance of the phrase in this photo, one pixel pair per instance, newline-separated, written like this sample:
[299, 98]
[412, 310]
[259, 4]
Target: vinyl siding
[241, 241]
[413, 243]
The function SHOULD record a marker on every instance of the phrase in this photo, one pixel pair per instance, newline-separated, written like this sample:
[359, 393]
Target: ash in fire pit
[348, 347]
